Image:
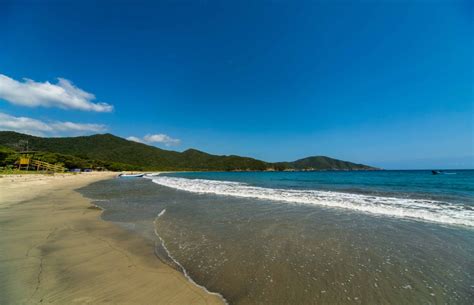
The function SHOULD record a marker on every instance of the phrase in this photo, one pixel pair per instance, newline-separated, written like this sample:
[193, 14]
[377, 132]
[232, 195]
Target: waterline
[183, 270]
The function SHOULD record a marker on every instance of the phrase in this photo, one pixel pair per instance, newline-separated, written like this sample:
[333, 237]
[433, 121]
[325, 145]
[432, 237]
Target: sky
[384, 83]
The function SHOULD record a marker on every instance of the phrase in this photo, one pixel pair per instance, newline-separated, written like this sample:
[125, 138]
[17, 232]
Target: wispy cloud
[156, 138]
[38, 127]
[161, 138]
[135, 139]
[63, 95]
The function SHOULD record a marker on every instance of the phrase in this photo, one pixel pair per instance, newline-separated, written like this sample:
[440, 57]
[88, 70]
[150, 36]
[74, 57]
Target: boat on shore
[152, 174]
[130, 175]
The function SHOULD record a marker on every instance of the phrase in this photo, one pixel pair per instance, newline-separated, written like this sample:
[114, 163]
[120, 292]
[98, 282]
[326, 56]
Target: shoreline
[183, 270]
[58, 250]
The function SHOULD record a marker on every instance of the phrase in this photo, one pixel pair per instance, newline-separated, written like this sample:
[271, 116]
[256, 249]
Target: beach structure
[24, 162]
[27, 162]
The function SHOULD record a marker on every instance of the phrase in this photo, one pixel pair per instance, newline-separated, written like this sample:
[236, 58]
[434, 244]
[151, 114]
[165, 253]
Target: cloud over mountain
[38, 127]
[156, 138]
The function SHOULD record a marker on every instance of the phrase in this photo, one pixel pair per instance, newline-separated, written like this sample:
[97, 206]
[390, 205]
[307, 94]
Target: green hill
[324, 163]
[115, 153]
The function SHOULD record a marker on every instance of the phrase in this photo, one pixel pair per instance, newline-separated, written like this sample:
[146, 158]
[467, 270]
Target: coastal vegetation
[110, 152]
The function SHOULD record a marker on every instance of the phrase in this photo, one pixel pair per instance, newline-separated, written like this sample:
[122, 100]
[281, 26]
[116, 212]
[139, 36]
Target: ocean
[361, 237]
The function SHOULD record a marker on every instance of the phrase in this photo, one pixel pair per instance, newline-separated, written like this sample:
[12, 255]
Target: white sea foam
[417, 209]
[161, 213]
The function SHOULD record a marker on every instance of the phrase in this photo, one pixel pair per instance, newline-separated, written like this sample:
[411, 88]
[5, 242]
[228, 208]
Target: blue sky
[386, 83]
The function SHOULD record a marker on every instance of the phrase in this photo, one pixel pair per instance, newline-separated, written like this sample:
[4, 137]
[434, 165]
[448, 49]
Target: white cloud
[70, 126]
[161, 138]
[135, 139]
[156, 138]
[37, 127]
[62, 95]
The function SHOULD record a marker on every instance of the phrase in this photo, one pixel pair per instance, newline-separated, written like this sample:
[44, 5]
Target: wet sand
[55, 249]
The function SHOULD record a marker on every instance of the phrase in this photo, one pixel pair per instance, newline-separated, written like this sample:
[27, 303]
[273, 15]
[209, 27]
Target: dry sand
[55, 249]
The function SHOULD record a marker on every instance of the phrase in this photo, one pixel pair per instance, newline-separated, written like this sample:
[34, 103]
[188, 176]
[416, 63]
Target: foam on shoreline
[406, 208]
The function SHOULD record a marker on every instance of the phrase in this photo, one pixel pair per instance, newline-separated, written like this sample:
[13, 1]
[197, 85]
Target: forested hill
[112, 152]
[323, 163]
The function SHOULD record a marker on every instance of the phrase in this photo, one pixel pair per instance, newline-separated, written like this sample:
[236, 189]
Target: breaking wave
[416, 209]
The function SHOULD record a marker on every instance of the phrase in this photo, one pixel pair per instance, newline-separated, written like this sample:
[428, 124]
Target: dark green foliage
[114, 153]
[8, 156]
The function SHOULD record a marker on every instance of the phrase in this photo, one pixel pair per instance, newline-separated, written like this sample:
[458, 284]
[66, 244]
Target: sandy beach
[55, 249]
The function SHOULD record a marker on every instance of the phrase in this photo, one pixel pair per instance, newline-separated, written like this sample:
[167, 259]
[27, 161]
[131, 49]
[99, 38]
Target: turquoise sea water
[386, 237]
[452, 185]
[445, 198]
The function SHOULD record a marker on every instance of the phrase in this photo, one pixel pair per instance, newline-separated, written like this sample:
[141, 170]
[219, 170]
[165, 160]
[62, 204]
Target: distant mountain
[323, 163]
[115, 153]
